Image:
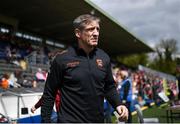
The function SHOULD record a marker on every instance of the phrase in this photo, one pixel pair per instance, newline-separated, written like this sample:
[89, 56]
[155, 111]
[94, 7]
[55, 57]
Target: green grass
[154, 112]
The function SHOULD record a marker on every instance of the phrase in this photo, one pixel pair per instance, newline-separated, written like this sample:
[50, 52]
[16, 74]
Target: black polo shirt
[84, 80]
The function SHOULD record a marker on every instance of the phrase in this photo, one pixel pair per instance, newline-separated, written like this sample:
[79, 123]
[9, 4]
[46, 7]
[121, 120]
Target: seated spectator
[4, 82]
[8, 54]
[13, 81]
[23, 64]
[41, 75]
[27, 81]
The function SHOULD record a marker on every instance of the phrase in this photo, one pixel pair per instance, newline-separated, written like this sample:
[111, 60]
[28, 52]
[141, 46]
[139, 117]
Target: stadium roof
[53, 18]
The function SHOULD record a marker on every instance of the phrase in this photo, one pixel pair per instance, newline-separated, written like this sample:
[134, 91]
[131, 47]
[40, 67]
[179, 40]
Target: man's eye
[91, 29]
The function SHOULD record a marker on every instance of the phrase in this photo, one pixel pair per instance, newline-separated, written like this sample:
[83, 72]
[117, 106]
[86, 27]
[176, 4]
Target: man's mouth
[95, 39]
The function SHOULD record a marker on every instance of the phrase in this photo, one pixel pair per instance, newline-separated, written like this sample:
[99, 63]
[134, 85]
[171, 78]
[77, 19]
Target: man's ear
[77, 33]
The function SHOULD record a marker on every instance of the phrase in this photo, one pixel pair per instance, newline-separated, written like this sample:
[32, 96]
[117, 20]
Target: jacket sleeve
[111, 93]
[52, 83]
[38, 104]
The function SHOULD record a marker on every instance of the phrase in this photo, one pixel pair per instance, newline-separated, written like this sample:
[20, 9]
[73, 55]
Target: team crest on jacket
[99, 63]
[72, 64]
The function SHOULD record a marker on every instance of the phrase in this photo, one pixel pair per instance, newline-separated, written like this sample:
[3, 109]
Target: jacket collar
[81, 52]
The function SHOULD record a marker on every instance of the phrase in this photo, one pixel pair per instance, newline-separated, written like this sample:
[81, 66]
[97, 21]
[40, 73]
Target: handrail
[28, 93]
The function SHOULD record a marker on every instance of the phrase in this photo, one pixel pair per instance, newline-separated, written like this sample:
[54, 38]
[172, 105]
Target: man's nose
[96, 32]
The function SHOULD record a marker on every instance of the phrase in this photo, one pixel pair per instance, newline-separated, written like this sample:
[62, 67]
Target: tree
[164, 62]
[170, 47]
[133, 60]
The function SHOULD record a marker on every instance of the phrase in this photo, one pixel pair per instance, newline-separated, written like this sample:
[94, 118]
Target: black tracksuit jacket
[84, 80]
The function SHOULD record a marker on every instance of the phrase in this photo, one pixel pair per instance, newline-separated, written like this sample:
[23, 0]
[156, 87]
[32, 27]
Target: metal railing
[19, 98]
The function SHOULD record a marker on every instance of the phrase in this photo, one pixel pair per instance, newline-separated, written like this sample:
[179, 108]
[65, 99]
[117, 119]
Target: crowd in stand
[14, 53]
[18, 79]
[146, 89]
[145, 85]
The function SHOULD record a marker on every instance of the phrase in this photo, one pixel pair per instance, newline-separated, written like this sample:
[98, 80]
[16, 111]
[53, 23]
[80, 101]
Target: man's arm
[113, 97]
[37, 105]
[52, 83]
[111, 93]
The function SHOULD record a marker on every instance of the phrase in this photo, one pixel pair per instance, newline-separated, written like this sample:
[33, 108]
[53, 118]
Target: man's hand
[33, 109]
[123, 112]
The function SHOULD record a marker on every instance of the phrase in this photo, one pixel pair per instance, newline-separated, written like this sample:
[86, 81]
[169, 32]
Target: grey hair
[83, 20]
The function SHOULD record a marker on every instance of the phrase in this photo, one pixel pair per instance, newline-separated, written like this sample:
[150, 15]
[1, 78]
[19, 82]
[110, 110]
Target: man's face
[89, 34]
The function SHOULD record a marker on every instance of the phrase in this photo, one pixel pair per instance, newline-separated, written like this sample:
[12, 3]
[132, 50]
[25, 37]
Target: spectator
[8, 54]
[13, 81]
[41, 75]
[4, 81]
[125, 92]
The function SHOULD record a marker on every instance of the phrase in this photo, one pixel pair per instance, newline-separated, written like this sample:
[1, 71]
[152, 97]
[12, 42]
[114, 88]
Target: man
[83, 75]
